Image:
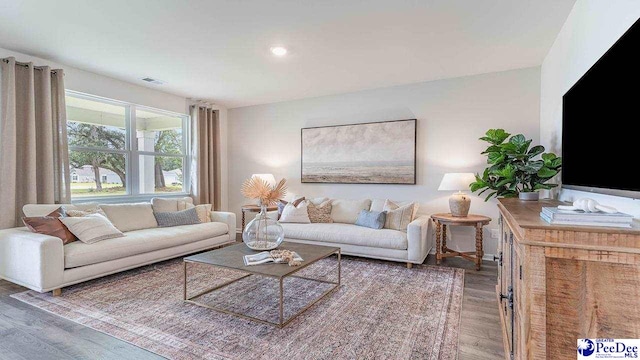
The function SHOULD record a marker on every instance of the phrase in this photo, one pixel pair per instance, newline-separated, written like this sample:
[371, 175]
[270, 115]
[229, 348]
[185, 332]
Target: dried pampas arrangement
[257, 188]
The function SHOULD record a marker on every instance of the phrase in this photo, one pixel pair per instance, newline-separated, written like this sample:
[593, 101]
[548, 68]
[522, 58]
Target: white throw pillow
[129, 217]
[318, 200]
[398, 217]
[91, 228]
[347, 211]
[204, 212]
[378, 205]
[295, 214]
[77, 213]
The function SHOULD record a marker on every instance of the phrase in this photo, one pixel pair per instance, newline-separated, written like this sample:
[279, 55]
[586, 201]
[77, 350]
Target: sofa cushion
[347, 211]
[130, 217]
[171, 204]
[347, 234]
[138, 242]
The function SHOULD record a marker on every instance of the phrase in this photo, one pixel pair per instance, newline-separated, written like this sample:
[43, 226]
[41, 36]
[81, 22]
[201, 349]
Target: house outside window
[123, 150]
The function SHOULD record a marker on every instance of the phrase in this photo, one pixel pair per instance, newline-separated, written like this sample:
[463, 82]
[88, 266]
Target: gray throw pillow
[372, 219]
[176, 218]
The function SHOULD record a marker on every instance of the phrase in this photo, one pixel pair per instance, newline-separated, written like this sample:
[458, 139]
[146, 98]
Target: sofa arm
[32, 260]
[228, 218]
[417, 238]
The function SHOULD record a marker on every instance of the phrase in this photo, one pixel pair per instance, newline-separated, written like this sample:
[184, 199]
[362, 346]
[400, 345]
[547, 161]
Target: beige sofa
[42, 263]
[410, 246]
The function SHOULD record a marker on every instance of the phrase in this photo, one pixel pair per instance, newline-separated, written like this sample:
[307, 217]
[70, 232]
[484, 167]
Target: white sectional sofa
[410, 246]
[42, 263]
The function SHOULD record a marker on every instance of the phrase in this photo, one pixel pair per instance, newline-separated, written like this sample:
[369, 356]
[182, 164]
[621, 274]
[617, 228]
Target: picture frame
[362, 153]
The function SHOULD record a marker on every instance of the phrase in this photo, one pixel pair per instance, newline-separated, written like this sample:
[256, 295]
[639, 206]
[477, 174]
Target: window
[121, 149]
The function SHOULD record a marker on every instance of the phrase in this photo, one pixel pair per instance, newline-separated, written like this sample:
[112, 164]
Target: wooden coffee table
[231, 257]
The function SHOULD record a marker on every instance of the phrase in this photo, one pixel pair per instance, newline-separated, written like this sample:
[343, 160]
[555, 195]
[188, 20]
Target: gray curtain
[34, 159]
[205, 176]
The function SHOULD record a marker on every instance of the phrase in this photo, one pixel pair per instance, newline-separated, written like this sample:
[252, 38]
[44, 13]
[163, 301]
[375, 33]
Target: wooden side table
[254, 209]
[444, 220]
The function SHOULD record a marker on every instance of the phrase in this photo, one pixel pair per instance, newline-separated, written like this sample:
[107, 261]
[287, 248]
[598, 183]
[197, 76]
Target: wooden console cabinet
[559, 283]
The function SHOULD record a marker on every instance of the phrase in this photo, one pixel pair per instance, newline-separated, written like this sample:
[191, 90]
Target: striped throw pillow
[398, 217]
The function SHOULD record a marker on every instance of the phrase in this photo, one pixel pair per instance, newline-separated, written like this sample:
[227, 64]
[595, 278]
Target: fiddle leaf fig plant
[516, 166]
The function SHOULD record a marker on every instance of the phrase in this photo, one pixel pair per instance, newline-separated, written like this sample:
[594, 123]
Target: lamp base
[459, 204]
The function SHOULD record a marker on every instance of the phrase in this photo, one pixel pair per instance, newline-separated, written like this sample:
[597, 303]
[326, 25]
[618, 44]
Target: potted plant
[516, 168]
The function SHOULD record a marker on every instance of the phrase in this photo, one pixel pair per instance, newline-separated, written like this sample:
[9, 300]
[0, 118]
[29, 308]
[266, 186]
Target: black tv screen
[600, 143]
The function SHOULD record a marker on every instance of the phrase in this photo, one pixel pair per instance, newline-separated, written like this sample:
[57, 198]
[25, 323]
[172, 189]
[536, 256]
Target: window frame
[132, 154]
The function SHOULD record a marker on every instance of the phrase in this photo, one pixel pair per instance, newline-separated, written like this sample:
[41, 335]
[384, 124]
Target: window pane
[158, 132]
[96, 173]
[160, 174]
[95, 124]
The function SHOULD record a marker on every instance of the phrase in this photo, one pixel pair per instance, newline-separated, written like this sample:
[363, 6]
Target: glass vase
[263, 232]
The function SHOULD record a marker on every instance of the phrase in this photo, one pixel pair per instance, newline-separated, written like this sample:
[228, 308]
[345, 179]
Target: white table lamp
[269, 178]
[459, 202]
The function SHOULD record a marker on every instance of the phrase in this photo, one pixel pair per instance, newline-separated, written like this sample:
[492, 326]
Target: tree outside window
[103, 161]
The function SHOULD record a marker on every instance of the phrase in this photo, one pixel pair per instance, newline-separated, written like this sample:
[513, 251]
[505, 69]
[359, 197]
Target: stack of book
[555, 216]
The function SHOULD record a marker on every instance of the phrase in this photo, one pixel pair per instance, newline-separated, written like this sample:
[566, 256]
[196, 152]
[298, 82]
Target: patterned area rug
[382, 311]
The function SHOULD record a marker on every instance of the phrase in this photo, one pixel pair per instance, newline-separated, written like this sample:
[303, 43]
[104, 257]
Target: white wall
[452, 114]
[100, 85]
[592, 27]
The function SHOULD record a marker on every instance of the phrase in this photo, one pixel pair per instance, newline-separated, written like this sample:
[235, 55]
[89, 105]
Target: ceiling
[219, 50]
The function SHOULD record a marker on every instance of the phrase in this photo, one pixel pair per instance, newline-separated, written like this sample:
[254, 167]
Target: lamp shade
[269, 178]
[456, 181]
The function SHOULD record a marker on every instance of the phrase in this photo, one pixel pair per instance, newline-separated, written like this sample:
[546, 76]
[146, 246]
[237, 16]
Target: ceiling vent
[153, 81]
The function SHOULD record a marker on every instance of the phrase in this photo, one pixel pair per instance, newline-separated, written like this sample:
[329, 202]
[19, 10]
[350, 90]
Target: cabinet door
[507, 284]
[519, 293]
[500, 240]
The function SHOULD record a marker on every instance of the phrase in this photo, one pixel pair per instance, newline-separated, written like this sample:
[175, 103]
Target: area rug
[382, 311]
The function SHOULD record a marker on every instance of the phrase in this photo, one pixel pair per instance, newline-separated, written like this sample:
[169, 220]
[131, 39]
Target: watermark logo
[608, 348]
[586, 347]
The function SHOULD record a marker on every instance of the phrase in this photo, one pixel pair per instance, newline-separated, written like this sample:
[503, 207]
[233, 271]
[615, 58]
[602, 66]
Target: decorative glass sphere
[263, 232]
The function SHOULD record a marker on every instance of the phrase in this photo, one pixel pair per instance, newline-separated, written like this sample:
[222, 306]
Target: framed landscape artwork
[369, 153]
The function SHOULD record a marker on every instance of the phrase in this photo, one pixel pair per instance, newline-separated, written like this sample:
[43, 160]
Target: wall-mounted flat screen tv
[600, 118]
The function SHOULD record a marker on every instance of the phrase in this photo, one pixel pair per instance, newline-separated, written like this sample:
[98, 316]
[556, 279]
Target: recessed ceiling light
[279, 51]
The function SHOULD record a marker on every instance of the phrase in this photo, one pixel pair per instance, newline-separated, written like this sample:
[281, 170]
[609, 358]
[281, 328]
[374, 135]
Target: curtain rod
[28, 64]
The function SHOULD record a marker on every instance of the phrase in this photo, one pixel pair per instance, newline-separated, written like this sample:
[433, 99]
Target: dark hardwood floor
[29, 333]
